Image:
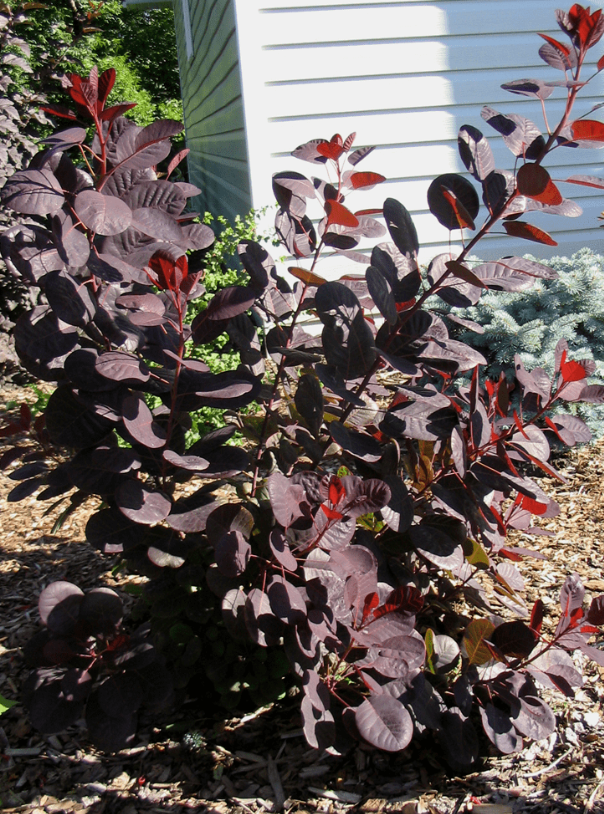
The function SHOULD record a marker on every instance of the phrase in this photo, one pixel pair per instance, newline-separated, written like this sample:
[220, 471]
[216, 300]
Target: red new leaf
[518, 228]
[572, 371]
[365, 179]
[462, 216]
[588, 130]
[564, 49]
[331, 514]
[537, 616]
[336, 491]
[331, 149]
[338, 214]
[533, 506]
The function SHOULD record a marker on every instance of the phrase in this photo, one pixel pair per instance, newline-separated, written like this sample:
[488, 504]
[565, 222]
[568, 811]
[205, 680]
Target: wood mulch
[193, 760]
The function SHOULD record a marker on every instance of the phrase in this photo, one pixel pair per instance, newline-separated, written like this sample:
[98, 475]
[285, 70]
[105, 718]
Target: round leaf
[103, 214]
[384, 722]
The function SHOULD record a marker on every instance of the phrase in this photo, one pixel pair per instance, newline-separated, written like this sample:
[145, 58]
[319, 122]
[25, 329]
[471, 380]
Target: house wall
[405, 75]
[213, 109]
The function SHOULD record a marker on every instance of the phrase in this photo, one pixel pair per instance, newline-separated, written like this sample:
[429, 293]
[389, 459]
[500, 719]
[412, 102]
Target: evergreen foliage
[531, 323]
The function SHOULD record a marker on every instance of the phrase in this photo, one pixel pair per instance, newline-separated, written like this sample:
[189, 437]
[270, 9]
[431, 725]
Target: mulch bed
[261, 763]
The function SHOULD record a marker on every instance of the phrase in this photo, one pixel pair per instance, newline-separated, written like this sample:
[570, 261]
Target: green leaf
[5, 704]
[429, 642]
[475, 554]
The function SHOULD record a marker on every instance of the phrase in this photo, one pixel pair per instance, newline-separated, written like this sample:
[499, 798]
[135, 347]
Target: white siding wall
[405, 76]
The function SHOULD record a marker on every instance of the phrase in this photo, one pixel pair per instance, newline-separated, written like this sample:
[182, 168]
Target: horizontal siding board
[312, 61]
[418, 92]
[409, 21]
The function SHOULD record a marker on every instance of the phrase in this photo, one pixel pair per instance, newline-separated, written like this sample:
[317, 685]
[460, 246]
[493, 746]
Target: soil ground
[193, 760]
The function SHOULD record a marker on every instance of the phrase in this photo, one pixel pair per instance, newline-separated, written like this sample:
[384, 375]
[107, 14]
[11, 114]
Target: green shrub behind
[530, 323]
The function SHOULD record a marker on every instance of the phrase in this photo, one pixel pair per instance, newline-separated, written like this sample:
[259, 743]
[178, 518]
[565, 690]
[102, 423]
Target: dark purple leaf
[381, 293]
[122, 367]
[309, 402]
[400, 270]
[347, 338]
[318, 725]
[286, 601]
[163, 195]
[157, 224]
[514, 639]
[142, 505]
[138, 420]
[398, 512]
[41, 337]
[572, 594]
[536, 444]
[556, 58]
[308, 152]
[101, 611]
[534, 88]
[33, 192]
[420, 420]
[50, 711]
[288, 500]
[333, 534]
[475, 152]
[401, 227]
[59, 606]
[100, 471]
[111, 532]
[227, 390]
[384, 722]
[120, 695]
[520, 135]
[500, 729]
[196, 236]
[138, 148]
[359, 155]
[459, 739]
[358, 444]
[446, 653]
[281, 550]
[262, 625]
[70, 300]
[226, 518]
[436, 546]
[113, 269]
[591, 393]
[71, 243]
[595, 614]
[451, 198]
[229, 302]
[65, 139]
[190, 514]
[192, 463]
[76, 684]
[102, 214]
[72, 424]
[108, 733]
[291, 190]
[257, 262]
[534, 719]
[232, 614]
[232, 554]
